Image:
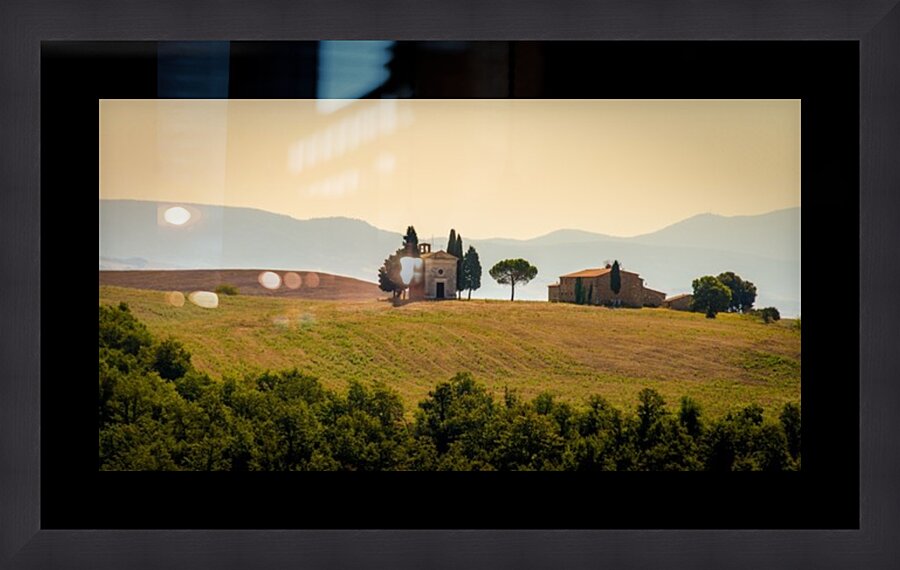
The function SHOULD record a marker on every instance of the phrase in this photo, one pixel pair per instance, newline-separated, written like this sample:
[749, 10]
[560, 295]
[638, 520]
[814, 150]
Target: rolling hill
[572, 351]
[309, 285]
[763, 249]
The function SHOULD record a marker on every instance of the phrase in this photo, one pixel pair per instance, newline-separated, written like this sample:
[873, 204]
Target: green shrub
[226, 289]
[767, 314]
[770, 314]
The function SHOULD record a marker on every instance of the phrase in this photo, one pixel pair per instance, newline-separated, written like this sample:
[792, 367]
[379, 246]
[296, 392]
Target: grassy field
[569, 350]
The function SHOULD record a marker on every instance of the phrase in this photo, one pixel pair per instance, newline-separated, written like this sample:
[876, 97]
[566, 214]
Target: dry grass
[569, 350]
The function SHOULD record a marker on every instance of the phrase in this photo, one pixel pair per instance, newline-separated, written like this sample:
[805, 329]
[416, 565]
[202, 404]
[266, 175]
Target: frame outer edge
[19, 284]
[20, 307]
[879, 278]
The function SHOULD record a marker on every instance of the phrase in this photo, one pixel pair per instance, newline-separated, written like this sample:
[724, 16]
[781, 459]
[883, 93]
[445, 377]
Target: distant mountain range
[764, 249]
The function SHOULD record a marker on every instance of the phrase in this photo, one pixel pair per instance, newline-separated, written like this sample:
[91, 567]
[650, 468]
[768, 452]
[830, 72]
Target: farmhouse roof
[654, 291]
[595, 272]
[440, 254]
[681, 296]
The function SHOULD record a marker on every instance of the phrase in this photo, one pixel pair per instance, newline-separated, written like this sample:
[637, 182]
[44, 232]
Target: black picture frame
[23, 542]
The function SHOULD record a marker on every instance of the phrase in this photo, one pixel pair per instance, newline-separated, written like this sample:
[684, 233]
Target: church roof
[440, 254]
[595, 272]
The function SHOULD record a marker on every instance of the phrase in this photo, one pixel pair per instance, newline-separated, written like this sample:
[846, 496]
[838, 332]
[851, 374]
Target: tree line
[728, 292]
[157, 412]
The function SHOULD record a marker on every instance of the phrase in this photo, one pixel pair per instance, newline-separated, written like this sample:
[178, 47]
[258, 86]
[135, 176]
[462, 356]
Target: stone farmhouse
[435, 276]
[681, 302]
[595, 287]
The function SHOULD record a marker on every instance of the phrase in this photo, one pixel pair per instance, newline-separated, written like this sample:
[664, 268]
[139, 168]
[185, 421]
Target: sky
[514, 168]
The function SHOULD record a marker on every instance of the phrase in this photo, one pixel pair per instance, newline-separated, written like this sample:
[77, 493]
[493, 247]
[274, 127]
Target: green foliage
[743, 293]
[471, 271]
[790, 423]
[711, 296]
[451, 242]
[689, 416]
[389, 278]
[169, 359]
[157, 413]
[411, 241]
[615, 278]
[460, 278]
[120, 331]
[513, 271]
[579, 291]
[769, 314]
[226, 289]
[386, 274]
[455, 247]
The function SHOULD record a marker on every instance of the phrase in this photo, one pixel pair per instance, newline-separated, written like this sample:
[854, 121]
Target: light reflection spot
[407, 265]
[175, 298]
[177, 216]
[204, 299]
[292, 280]
[270, 280]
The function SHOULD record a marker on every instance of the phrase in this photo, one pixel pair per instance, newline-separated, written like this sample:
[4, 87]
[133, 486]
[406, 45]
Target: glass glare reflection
[177, 216]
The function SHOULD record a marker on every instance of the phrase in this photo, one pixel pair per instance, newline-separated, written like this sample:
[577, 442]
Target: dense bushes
[226, 289]
[157, 413]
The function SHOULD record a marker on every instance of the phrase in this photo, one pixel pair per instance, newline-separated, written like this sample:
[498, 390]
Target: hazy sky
[489, 168]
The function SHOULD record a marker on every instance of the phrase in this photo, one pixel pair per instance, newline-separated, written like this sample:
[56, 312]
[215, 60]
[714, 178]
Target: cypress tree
[471, 270]
[460, 279]
[615, 278]
[411, 241]
[451, 242]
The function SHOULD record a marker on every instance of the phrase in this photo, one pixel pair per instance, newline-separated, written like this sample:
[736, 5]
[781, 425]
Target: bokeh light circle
[175, 298]
[270, 280]
[177, 216]
[205, 299]
[292, 280]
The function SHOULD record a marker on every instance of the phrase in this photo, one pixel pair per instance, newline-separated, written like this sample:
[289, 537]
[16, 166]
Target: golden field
[568, 350]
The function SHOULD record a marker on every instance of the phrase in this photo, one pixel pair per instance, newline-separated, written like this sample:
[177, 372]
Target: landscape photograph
[449, 285]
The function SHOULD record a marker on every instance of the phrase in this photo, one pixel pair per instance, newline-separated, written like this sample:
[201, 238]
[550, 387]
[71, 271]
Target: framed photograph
[486, 298]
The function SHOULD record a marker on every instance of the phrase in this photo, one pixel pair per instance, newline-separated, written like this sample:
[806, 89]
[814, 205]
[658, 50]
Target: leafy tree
[790, 423]
[120, 331]
[590, 294]
[769, 314]
[471, 270]
[528, 441]
[170, 359]
[513, 271]
[459, 415]
[389, 275]
[615, 278]
[689, 416]
[579, 291]
[711, 296]
[743, 293]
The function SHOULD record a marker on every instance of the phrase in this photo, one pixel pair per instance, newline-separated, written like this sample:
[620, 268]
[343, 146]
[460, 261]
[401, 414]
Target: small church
[435, 276]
